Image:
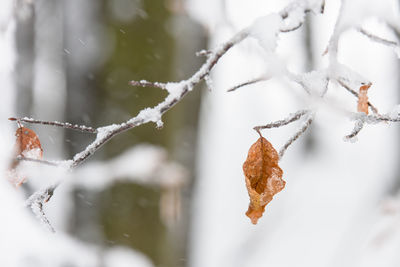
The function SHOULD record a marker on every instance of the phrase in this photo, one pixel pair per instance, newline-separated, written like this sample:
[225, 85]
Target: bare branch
[292, 117]
[377, 39]
[256, 80]
[67, 125]
[304, 127]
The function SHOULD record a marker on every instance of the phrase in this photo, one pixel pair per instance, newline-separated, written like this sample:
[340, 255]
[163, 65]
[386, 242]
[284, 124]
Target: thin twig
[304, 127]
[256, 80]
[36, 201]
[358, 126]
[353, 92]
[292, 117]
[377, 39]
[375, 118]
[67, 125]
[46, 162]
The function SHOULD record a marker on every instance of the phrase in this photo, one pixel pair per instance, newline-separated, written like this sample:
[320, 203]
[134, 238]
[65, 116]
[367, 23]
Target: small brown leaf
[263, 177]
[363, 99]
[27, 145]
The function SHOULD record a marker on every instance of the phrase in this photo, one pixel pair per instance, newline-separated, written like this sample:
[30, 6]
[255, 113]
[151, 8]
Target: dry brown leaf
[263, 177]
[363, 99]
[27, 145]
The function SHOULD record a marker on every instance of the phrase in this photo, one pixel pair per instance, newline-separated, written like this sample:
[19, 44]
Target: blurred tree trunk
[25, 43]
[109, 43]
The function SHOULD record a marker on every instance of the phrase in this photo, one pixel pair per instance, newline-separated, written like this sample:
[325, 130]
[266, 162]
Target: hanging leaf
[363, 99]
[27, 145]
[263, 177]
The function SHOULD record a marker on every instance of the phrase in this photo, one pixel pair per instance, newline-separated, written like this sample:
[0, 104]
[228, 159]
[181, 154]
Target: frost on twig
[394, 45]
[361, 119]
[352, 137]
[36, 202]
[291, 118]
[46, 162]
[302, 129]
[67, 125]
[209, 83]
[249, 82]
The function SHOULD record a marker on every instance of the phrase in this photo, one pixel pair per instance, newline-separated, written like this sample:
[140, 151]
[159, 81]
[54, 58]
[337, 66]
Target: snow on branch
[291, 118]
[36, 202]
[299, 132]
[66, 125]
[266, 31]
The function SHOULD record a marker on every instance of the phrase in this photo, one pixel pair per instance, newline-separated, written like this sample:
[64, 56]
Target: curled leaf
[263, 177]
[27, 145]
[363, 99]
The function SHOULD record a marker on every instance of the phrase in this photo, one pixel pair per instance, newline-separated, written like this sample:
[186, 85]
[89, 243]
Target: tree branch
[176, 92]
[358, 126]
[292, 117]
[256, 80]
[36, 201]
[378, 39]
[67, 125]
[304, 127]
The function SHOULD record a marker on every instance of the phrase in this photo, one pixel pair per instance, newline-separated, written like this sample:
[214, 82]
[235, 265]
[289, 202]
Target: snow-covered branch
[266, 31]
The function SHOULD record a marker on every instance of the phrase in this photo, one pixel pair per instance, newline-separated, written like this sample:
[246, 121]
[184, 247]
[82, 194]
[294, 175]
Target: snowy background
[177, 196]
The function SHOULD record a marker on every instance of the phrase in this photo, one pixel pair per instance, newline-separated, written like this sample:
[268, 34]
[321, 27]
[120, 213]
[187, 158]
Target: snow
[143, 164]
[315, 82]
[150, 114]
[338, 71]
[209, 82]
[266, 29]
[175, 89]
